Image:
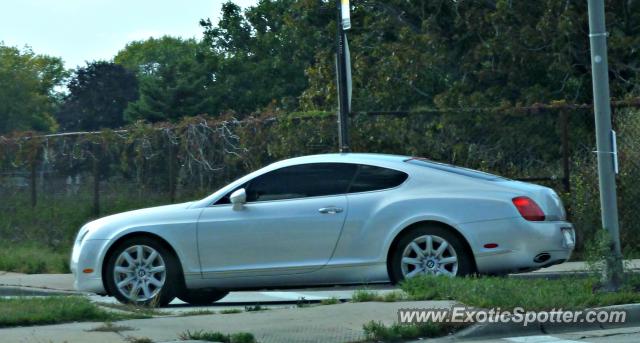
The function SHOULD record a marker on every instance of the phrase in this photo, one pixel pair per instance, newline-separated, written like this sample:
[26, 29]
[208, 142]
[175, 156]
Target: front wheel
[429, 250]
[201, 297]
[142, 271]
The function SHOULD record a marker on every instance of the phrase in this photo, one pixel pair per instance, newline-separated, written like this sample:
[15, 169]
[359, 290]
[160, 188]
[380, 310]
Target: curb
[498, 330]
[14, 290]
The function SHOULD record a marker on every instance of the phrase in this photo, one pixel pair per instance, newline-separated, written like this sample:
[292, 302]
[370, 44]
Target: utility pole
[605, 140]
[343, 23]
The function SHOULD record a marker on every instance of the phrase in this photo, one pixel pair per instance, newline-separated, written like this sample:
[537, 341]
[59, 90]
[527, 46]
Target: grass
[143, 311]
[255, 308]
[378, 332]
[39, 239]
[33, 259]
[210, 336]
[53, 310]
[530, 294]
[303, 302]
[110, 327]
[131, 339]
[196, 313]
[363, 295]
[231, 311]
[330, 301]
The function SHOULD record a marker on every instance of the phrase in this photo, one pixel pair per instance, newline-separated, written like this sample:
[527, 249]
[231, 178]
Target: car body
[334, 219]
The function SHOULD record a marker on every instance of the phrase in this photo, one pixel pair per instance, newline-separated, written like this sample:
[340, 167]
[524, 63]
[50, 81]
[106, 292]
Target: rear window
[453, 169]
[371, 178]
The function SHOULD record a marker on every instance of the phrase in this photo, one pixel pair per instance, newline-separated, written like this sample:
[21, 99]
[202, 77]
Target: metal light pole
[605, 139]
[343, 92]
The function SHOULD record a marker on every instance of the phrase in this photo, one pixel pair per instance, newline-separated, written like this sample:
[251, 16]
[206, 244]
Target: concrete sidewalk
[324, 323]
[58, 282]
[575, 267]
[64, 282]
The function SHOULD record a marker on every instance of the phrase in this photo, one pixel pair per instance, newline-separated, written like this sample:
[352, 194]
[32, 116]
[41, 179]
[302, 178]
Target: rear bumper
[519, 243]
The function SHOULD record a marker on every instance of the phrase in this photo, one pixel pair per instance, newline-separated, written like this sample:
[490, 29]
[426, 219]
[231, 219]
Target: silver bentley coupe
[324, 220]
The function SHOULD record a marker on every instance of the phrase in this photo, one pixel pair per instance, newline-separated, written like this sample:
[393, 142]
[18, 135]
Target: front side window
[301, 181]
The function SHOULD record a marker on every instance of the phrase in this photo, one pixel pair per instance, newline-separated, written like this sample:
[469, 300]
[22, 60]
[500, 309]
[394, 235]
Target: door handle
[330, 210]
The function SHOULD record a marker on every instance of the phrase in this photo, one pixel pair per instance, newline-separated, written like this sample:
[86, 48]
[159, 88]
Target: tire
[160, 274]
[201, 297]
[430, 263]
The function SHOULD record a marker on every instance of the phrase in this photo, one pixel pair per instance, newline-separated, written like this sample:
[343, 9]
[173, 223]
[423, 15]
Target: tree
[258, 57]
[451, 54]
[27, 89]
[98, 96]
[172, 78]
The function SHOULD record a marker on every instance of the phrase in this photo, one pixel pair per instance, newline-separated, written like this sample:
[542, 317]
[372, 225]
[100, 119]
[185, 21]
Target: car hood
[104, 227]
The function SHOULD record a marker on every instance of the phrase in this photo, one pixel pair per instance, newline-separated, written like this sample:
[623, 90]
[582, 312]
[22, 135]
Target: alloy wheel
[430, 255]
[140, 273]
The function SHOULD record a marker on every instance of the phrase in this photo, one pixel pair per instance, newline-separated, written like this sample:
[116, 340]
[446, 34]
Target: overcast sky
[87, 30]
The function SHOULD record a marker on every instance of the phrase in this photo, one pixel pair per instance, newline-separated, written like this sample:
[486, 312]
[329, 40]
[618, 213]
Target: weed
[210, 336]
[110, 327]
[131, 339]
[330, 301]
[256, 307]
[376, 331]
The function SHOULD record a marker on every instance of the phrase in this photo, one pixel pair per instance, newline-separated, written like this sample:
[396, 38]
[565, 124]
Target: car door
[369, 219]
[290, 223]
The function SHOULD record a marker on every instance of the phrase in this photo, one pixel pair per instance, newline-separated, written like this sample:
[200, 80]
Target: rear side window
[301, 181]
[370, 178]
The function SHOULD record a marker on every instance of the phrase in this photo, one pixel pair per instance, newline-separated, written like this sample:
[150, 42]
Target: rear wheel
[202, 297]
[142, 271]
[429, 250]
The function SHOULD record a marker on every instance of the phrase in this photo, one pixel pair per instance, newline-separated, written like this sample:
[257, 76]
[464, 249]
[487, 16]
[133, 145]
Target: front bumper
[86, 256]
[519, 243]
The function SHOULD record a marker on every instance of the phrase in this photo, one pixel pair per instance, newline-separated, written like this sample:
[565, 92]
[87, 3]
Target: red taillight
[528, 209]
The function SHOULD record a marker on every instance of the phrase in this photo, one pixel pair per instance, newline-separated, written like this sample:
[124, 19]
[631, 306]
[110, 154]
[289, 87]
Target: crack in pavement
[609, 334]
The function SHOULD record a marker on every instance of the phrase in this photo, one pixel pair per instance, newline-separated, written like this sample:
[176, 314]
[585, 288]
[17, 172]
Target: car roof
[417, 164]
[345, 158]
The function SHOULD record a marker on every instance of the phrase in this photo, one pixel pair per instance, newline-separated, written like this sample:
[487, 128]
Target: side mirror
[238, 199]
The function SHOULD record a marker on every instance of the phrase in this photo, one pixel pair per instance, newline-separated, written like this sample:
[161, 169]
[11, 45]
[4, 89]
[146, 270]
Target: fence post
[32, 181]
[96, 179]
[172, 172]
[566, 179]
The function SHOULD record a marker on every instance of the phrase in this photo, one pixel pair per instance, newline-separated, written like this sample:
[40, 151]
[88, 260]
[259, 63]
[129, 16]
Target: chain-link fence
[51, 185]
[627, 126]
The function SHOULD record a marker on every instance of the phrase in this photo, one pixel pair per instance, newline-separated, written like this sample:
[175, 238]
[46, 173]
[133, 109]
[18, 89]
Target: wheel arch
[135, 234]
[405, 230]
